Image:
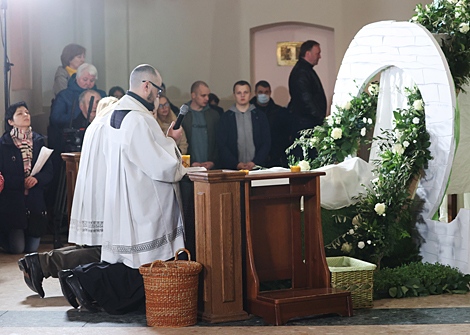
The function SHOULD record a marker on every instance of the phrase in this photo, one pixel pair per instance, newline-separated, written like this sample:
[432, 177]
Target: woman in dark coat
[22, 207]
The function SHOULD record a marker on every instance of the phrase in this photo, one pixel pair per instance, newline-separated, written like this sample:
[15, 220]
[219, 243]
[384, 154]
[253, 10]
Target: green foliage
[418, 279]
[450, 18]
[342, 132]
[384, 216]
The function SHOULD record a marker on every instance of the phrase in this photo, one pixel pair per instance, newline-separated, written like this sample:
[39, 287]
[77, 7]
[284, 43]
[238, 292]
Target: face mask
[263, 98]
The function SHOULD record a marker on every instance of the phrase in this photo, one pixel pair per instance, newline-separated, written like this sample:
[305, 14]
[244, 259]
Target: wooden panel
[227, 247]
[271, 228]
[201, 235]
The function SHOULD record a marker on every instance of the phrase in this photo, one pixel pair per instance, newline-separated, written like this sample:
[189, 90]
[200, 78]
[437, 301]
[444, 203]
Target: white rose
[338, 120]
[361, 245]
[464, 28]
[329, 120]
[416, 120]
[406, 144]
[414, 141]
[380, 208]
[364, 120]
[347, 105]
[369, 242]
[304, 166]
[363, 131]
[351, 231]
[346, 247]
[336, 133]
[369, 121]
[418, 105]
[373, 89]
[398, 149]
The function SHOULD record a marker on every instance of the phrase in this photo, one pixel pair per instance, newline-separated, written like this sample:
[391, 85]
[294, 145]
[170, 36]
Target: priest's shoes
[66, 290]
[23, 267]
[73, 291]
[32, 272]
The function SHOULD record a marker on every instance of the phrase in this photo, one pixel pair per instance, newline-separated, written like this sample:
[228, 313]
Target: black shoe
[35, 273]
[66, 290]
[27, 279]
[80, 293]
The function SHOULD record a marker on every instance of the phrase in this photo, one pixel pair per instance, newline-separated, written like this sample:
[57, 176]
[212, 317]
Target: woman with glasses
[164, 118]
[23, 218]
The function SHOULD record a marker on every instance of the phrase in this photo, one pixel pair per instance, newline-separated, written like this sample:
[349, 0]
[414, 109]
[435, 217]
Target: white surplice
[86, 218]
[142, 217]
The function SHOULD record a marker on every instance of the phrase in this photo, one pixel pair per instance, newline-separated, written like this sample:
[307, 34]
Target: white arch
[412, 48]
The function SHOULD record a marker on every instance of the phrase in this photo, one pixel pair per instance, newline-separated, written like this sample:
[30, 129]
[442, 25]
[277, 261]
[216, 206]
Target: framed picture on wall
[288, 53]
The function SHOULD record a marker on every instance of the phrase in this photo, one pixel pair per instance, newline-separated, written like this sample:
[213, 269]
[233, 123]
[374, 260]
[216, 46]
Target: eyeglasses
[160, 90]
[166, 104]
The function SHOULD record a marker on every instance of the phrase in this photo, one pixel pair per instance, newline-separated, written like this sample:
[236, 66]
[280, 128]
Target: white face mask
[263, 98]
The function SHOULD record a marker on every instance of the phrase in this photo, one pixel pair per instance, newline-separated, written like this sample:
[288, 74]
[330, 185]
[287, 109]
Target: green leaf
[393, 292]
[404, 289]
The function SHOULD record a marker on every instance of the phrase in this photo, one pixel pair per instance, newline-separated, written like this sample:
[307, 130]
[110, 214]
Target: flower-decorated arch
[413, 49]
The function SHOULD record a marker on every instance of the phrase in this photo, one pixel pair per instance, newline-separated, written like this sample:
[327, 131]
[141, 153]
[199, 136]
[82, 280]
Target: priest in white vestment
[86, 219]
[142, 215]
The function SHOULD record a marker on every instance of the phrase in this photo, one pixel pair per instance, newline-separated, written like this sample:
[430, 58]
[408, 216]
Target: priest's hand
[174, 134]
[196, 164]
[249, 166]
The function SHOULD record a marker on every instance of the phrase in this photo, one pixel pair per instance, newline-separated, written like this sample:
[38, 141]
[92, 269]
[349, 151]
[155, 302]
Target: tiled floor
[24, 312]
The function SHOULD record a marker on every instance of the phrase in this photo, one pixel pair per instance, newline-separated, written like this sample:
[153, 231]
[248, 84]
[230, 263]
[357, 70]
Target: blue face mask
[263, 98]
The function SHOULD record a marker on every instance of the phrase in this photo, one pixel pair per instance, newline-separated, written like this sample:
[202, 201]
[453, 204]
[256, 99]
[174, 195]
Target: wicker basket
[171, 292]
[355, 276]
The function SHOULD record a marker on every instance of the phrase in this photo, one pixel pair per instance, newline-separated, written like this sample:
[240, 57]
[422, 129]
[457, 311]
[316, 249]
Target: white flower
[369, 121]
[398, 149]
[414, 141]
[364, 120]
[418, 105]
[380, 208]
[314, 141]
[346, 247]
[351, 231]
[363, 131]
[398, 134]
[369, 242]
[338, 120]
[457, 15]
[373, 89]
[416, 120]
[347, 105]
[375, 180]
[406, 144]
[336, 133]
[453, 1]
[329, 120]
[304, 166]
[464, 28]
[361, 245]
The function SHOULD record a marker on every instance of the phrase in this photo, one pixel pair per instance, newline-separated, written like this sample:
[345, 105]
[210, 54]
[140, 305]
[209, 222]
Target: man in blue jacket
[243, 135]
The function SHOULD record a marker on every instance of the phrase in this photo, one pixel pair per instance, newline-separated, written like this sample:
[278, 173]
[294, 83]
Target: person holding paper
[23, 217]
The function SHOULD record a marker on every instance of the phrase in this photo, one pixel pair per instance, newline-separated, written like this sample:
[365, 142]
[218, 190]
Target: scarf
[23, 140]
[70, 71]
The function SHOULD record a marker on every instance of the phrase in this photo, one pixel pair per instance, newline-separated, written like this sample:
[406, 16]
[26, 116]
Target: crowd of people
[126, 208]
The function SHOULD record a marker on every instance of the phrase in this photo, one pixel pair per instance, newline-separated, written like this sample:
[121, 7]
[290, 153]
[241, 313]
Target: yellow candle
[186, 160]
[295, 168]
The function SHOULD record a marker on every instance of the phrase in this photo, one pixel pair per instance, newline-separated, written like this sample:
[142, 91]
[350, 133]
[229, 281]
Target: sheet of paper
[42, 159]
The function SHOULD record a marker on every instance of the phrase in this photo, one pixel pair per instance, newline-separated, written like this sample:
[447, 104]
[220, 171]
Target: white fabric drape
[392, 96]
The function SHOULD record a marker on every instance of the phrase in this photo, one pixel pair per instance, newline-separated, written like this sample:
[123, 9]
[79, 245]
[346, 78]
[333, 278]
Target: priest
[142, 213]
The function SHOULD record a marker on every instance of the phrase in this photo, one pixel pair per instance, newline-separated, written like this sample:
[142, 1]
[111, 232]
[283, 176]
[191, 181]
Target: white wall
[186, 40]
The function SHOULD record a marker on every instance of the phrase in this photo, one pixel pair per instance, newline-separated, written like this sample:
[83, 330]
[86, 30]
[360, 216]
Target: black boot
[23, 267]
[66, 290]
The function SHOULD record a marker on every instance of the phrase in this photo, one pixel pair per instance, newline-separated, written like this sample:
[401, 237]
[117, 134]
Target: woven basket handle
[182, 249]
[157, 262]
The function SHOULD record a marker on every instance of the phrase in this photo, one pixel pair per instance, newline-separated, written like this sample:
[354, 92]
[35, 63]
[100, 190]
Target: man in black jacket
[278, 123]
[308, 100]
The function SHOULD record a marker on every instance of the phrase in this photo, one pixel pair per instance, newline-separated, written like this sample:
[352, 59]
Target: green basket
[353, 275]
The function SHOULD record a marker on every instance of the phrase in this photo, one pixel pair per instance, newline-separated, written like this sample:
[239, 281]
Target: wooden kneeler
[274, 250]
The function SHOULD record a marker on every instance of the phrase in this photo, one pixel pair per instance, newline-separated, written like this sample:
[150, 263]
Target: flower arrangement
[384, 211]
[342, 132]
[452, 18]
